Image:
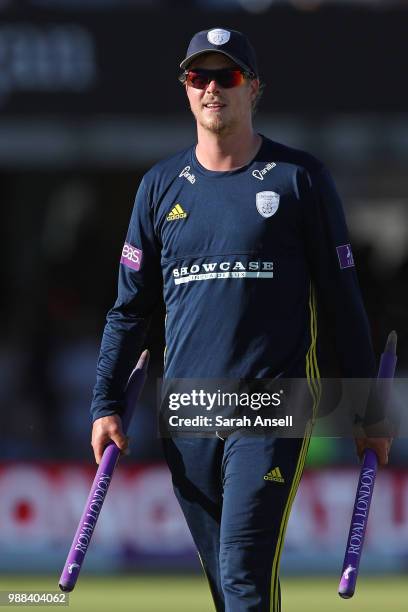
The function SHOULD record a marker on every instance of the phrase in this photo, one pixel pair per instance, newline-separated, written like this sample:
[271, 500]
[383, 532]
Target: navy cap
[231, 43]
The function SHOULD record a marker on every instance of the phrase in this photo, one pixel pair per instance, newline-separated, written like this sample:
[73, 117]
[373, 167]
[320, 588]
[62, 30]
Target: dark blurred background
[89, 100]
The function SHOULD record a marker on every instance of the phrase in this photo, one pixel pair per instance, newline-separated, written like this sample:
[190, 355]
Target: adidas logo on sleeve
[176, 212]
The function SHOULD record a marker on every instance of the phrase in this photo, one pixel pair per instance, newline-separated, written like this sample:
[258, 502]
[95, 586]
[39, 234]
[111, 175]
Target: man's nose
[212, 86]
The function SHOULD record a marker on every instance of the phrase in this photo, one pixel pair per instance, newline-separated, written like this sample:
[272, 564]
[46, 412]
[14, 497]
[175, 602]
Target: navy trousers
[236, 495]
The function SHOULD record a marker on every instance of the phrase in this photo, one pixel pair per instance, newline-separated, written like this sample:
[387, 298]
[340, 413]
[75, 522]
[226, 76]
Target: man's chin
[216, 125]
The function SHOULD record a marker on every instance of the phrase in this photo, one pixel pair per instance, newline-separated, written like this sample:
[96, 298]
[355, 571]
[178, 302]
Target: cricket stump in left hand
[365, 487]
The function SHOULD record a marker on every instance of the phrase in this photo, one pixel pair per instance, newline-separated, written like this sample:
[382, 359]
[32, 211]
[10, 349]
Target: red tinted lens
[226, 78]
[197, 79]
[230, 78]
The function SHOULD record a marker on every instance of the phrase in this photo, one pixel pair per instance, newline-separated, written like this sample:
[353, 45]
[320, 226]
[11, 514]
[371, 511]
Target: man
[246, 238]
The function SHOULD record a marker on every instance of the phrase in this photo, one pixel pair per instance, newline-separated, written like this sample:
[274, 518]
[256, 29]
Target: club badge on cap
[218, 36]
[231, 43]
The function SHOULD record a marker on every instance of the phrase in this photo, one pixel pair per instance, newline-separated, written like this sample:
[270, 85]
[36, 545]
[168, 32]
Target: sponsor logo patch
[218, 36]
[176, 212]
[345, 255]
[131, 257]
[259, 174]
[187, 175]
[267, 203]
[221, 270]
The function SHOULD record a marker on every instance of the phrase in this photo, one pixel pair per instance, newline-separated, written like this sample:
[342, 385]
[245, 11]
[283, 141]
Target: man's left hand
[381, 446]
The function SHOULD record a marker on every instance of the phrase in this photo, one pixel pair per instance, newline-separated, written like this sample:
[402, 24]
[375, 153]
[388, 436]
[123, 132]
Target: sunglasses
[199, 78]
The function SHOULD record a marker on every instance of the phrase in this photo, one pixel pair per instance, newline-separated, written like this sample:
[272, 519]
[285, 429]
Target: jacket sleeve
[139, 290]
[334, 276]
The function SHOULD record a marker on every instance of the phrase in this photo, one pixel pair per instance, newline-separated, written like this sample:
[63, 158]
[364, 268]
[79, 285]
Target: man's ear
[254, 84]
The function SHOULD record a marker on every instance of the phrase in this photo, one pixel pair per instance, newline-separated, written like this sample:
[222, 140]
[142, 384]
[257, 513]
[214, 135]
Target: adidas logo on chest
[176, 212]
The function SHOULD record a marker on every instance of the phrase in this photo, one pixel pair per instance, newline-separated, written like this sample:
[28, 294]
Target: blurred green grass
[190, 594]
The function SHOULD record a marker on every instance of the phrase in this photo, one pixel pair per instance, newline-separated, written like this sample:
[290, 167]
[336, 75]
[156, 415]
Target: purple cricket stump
[101, 483]
[388, 359]
[365, 487]
[89, 518]
[358, 525]
[386, 370]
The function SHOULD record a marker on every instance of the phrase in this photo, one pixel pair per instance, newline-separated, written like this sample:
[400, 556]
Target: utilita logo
[259, 174]
[131, 257]
[187, 174]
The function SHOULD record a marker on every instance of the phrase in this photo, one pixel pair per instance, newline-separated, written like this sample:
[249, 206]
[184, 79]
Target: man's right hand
[104, 430]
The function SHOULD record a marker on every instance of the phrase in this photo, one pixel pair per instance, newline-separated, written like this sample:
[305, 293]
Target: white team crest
[218, 36]
[267, 203]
